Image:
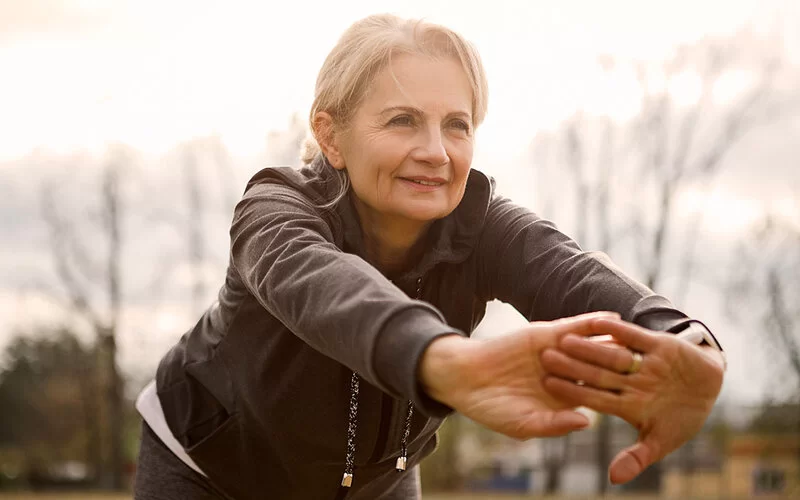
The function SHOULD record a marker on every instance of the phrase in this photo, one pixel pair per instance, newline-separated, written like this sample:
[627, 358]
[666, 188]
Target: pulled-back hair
[367, 47]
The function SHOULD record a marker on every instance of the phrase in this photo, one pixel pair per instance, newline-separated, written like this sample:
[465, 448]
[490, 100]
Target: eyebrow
[414, 111]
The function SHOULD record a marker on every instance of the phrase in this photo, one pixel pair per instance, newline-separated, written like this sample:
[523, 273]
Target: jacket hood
[451, 239]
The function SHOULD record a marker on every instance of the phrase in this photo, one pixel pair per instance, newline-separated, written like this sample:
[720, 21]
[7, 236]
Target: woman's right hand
[497, 382]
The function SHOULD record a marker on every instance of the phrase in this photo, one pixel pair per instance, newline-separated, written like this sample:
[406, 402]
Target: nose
[432, 150]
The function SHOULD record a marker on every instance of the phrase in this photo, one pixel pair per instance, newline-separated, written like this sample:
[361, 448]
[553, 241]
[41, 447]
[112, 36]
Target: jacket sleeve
[284, 252]
[525, 261]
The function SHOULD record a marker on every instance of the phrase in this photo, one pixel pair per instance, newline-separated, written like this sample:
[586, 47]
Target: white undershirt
[150, 409]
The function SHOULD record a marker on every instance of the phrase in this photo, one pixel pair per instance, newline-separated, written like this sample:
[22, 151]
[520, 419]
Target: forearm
[441, 367]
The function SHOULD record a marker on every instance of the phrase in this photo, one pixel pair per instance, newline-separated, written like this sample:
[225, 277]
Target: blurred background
[666, 134]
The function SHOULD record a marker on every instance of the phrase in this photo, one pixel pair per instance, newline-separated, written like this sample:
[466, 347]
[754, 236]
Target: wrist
[441, 366]
[716, 355]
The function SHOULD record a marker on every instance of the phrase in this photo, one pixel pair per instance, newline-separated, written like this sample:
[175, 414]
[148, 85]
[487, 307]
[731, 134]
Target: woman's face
[408, 149]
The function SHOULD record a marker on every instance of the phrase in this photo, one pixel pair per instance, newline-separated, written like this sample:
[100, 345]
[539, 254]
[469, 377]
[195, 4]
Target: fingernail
[577, 421]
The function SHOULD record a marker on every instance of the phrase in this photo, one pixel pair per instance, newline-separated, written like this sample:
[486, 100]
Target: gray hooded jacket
[258, 391]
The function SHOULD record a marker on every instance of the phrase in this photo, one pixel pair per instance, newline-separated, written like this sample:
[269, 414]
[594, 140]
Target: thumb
[632, 461]
[554, 423]
[582, 324]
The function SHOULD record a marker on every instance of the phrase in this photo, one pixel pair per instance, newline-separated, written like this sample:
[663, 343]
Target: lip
[438, 180]
[422, 188]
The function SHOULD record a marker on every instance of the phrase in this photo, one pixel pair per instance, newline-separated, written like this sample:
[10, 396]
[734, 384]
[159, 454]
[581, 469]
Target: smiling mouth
[424, 182]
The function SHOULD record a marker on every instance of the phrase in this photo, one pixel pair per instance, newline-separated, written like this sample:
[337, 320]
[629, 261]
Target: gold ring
[636, 363]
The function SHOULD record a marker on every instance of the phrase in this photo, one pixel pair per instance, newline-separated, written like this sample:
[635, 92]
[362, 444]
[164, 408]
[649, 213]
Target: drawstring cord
[352, 425]
[347, 479]
[400, 465]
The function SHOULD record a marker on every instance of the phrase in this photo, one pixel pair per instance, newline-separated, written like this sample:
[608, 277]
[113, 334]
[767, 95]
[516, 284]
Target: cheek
[462, 161]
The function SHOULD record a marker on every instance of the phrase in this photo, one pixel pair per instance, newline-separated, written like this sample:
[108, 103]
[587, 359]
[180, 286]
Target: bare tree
[668, 146]
[202, 189]
[195, 231]
[765, 281]
[89, 268]
[679, 144]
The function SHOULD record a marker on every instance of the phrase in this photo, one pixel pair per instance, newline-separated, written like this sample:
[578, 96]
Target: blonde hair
[366, 48]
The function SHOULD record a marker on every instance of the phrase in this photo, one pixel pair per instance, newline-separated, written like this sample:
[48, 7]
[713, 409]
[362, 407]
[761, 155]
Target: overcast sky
[80, 73]
[76, 75]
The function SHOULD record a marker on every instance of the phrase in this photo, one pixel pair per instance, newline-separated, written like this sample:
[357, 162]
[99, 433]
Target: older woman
[340, 339]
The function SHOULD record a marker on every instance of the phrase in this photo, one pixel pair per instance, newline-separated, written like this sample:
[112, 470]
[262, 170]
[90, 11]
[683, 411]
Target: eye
[460, 125]
[402, 120]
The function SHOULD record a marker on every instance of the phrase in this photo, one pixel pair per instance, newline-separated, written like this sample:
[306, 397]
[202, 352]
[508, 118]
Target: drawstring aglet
[347, 480]
[400, 465]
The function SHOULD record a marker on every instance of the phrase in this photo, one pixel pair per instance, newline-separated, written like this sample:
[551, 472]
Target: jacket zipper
[389, 407]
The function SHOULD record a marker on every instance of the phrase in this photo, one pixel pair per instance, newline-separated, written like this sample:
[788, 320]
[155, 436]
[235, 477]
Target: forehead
[433, 85]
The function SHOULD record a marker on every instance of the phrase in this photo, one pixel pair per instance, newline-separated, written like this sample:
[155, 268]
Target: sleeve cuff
[666, 319]
[398, 353]
[709, 339]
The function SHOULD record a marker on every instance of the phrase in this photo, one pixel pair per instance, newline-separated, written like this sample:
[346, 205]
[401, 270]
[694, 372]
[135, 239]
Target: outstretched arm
[285, 252]
[526, 261]
[546, 275]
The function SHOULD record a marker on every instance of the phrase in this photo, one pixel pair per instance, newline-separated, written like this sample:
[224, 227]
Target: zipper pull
[347, 480]
[400, 465]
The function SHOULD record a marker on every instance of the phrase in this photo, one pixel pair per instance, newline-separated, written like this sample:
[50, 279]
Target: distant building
[751, 466]
[758, 457]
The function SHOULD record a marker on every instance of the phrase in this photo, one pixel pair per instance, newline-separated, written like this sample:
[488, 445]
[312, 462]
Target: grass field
[95, 496]
[453, 496]
[89, 496]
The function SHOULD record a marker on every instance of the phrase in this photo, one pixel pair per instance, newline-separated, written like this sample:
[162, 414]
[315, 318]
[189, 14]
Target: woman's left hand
[667, 399]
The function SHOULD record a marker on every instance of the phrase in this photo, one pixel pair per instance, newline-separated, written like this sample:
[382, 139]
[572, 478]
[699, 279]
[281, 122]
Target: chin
[426, 214]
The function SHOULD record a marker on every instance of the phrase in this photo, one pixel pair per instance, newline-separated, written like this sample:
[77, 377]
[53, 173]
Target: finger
[633, 336]
[632, 461]
[583, 324]
[590, 397]
[561, 365]
[553, 423]
[603, 354]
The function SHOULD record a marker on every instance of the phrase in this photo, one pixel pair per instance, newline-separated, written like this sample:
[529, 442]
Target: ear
[328, 139]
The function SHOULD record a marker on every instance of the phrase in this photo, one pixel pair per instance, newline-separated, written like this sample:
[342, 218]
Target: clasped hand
[526, 384]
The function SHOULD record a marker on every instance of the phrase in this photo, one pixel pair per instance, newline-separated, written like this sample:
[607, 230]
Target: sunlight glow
[721, 211]
[732, 85]
[617, 94]
[787, 208]
[685, 88]
[169, 323]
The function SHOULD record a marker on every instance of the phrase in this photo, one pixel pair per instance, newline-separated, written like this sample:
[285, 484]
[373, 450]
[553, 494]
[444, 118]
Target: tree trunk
[660, 236]
[115, 411]
[603, 453]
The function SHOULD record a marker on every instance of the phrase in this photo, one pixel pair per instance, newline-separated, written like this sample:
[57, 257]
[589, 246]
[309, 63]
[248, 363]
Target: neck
[392, 243]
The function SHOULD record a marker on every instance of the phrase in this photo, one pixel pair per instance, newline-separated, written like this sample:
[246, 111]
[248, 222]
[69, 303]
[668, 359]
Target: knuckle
[596, 376]
[549, 356]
